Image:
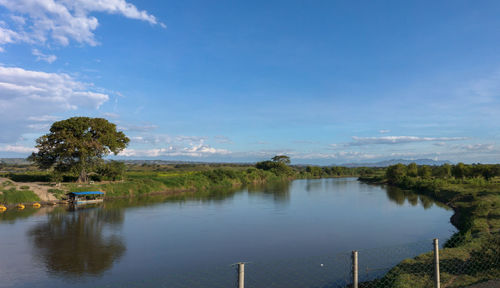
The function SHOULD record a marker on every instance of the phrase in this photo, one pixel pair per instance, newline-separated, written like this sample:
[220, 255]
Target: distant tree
[412, 170]
[112, 170]
[327, 170]
[443, 171]
[338, 170]
[278, 165]
[489, 171]
[395, 173]
[459, 170]
[425, 171]
[78, 144]
[315, 171]
[474, 170]
[365, 171]
[281, 159]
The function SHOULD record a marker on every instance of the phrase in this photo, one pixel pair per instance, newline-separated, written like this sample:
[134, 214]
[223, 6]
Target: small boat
[88, 197]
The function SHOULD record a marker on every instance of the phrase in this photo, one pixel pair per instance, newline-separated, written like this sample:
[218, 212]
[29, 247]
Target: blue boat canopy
[86, 193]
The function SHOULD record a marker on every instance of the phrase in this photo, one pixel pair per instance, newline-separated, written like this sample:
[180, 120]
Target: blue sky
[325, 82]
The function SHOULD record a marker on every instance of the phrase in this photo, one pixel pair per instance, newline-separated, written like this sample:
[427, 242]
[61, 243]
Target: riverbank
[141, 183]
[146, 179]
[471, 255]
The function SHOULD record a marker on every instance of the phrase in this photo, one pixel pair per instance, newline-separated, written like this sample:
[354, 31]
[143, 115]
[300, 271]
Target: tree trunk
[82, 178]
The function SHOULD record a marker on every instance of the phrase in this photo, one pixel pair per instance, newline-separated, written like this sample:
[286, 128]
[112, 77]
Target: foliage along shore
[473, 253]
[119, 180]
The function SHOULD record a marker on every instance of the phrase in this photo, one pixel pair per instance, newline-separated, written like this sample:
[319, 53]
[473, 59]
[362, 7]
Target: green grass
[13, 196]
[58, 193]
[476, 202]
[143, 183]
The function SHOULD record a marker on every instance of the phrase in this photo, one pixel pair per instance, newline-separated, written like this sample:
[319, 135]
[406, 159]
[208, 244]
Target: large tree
[78, 144]
[281, 159]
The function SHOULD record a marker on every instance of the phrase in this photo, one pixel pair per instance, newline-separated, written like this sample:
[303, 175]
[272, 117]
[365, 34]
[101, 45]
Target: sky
[324, 82]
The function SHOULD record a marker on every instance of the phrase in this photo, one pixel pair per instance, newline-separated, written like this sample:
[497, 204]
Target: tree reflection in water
[399, 196]
[78, 243]
[279, 190]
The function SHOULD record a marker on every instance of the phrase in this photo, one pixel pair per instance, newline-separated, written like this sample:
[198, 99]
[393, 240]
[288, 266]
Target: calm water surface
[130, 242]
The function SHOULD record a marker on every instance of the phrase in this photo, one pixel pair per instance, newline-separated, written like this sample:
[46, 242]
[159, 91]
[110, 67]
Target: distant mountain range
[396, 161]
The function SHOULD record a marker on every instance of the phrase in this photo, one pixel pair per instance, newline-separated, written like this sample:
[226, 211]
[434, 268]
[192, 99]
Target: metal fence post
[241, 275]
[436, 264]
[355, 269]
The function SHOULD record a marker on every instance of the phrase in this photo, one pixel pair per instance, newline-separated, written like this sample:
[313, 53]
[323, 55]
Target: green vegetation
[112, 171]
[77, 145]
[131, 179]
[143, 183]
[473, 191]
[58, 193]
[12, 196]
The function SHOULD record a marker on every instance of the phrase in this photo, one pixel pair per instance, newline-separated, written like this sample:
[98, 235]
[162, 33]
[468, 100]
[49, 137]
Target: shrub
[278, 168]
[112, 170]
[12, 195]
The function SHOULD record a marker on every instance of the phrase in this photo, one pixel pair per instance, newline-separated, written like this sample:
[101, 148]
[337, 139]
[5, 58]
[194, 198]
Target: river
[281, 229]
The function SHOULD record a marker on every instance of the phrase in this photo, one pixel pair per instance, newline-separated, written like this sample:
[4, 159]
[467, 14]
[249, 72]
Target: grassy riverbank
[472, 255]
[143, 179]
[144, 183]
[11, 193]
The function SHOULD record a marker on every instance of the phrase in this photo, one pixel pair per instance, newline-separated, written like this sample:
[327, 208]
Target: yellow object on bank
[20, 206]
[2, 208]
[36, 205]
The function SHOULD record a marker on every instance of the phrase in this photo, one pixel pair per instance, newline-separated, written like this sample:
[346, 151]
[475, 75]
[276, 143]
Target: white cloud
[384, 131]
[222, 139]
[333, 146]
[162, 139]
[359, 141]
[10, 36]
[137, 128]
[17, 149]
[43, 57]
[19, 20]
[43, 118]
[479, 147]
[31, 96]
[171, 146]
[111, 115]
[340, 156]
[38, 21]
[199, 150]
[39, 126]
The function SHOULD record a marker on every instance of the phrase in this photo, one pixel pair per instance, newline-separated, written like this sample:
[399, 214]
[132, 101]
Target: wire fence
[463, 260]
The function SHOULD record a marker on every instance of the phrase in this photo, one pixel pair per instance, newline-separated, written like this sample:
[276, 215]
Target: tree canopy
[278, 165]
[78, 144]
[281, 159]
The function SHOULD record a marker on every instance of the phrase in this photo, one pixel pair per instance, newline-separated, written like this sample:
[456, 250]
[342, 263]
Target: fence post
[241, 275]
[355, 269]
[436, 264]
